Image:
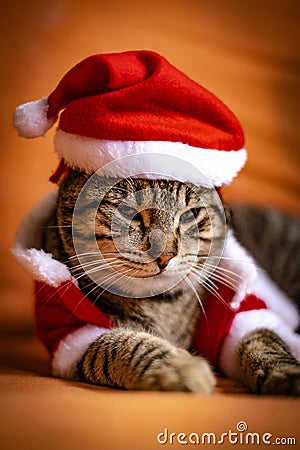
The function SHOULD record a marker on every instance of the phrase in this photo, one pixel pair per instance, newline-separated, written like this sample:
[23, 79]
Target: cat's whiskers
[222, 280]
[100, 265]
[90, 272]
[115, 277]
[220, 277]
[79, 303]
[213, 290]
[61, 289]
[190, 284]
[228, 274]
[100, 256]
[78, 255]
[209, 281]
[116, 273]
[83, 265]
[97, 285]
[209, 286]
[220, 268]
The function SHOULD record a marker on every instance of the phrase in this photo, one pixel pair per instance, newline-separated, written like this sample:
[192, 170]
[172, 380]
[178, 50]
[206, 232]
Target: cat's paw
[181, 372]
[282, 380]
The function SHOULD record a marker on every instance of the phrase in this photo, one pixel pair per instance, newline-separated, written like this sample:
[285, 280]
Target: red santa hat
[137, 103]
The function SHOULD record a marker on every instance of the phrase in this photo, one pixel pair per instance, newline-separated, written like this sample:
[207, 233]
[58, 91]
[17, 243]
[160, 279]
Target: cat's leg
[140, 361]
[267, 365]
[262, 350]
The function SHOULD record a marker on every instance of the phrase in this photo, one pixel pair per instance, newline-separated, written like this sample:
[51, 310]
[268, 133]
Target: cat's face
[154, 230]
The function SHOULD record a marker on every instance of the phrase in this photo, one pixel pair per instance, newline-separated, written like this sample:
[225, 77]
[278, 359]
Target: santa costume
[136, 103]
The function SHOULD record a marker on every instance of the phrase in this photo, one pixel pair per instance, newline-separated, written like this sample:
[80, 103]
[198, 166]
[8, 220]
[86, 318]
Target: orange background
[246, 52]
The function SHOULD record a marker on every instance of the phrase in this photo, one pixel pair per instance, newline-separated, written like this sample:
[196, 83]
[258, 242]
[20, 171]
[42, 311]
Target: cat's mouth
[166, 264]
[147, 270]
[133, 276]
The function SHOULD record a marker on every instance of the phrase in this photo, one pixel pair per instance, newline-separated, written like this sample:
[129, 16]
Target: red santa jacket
[60, 311]
[67, 322]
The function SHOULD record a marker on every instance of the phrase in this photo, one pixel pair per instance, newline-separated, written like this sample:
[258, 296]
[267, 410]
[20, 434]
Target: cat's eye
[189, 215]
[128, 212]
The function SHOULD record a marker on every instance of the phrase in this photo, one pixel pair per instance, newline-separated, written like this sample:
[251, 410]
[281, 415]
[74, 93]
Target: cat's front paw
[282, 380]
[181, 372]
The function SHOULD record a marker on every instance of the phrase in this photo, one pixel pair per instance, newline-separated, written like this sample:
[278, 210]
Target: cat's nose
[163, 259]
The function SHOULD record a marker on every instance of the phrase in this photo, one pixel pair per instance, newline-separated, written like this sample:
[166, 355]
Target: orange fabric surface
[247, 53]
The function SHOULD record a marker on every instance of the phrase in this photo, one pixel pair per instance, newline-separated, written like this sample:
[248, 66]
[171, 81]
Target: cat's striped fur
[267, 364]
[273, 238]
[150, 347]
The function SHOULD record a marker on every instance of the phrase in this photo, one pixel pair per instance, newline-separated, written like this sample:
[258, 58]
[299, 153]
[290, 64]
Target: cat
[273, 239]
[139, 282]
[150, 348]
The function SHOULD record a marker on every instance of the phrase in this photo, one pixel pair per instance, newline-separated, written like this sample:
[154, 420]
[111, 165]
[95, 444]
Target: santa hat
[137, 103]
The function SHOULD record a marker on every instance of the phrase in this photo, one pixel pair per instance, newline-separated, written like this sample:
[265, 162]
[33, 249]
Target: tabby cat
[150, 347]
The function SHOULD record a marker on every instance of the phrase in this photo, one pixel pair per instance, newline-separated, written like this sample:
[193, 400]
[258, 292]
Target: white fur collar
[27, 249]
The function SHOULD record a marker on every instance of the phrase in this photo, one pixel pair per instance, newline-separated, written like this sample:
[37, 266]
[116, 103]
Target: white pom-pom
[30, 119]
